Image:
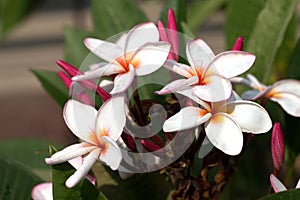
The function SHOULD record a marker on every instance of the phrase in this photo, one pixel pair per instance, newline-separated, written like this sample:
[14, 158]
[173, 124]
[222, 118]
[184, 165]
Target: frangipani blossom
[44, 191]
[285, 92]
[98, 130]
[224, 122]
[207, 74]
[278, 186]
[136, 53]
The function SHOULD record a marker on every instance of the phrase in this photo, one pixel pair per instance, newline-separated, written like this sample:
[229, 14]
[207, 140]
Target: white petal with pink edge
[199, 53]
[252, 94]
[80, 118]
[231, 63]
[250, 116]
[106, 70]
[180, 84]
[42, 191]
[82, 171]
[150, 57]
[111, 118]
[224, 133]
[179, 68]
[140, 35]
[123, 81]
[112, 155]
[276, 184]
[289, 102]
[216, 88]
[106, 50]
[69, 153]
[190, 94]
[186, 118]
[287, 86]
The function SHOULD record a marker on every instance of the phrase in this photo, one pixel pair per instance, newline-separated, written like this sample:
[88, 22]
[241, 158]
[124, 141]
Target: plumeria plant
[160, 115]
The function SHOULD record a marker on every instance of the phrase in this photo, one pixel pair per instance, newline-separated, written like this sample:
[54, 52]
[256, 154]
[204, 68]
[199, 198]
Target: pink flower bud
[277, 146]
[71, 70]
[129, 141]
[65, 79]
[81, 96]
[170, 35]
[149, 146]
[238, 45]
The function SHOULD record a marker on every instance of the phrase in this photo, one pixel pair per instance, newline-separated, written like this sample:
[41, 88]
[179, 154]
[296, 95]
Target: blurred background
[35, 43]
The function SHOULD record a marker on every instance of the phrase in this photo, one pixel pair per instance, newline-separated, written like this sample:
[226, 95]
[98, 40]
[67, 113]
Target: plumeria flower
[278, 186]
[98, 130]
[207, 74]
[43, 191]
[170, 35]
[285, 92]
[224, 122]
[136, 53]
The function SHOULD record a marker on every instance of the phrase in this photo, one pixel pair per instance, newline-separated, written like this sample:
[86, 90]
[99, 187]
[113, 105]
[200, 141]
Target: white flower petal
[82, 171]
[140, 35]
[224, 133]
[186, 118]
[179, 68]
[199, 53]
[250, 116]
[76, 162]
[298, 184]
[276, 184]
[287, 86]
[254, 83]
[177, 85]
[42, 191]
[190, 94]
[123, 81]
[112, 155]
[289, 102]
[122, 40]
[231, 63]
[106, 50]
[80, 118]
[69, 153]
[107, 85]
[106, 70]
[205, 148]
[150, 57]
[216, 88]
[111, 118]
[252, 94]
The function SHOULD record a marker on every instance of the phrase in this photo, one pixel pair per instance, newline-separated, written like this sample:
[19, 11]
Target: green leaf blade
[268, 34]
[113, 17]
[53, 85]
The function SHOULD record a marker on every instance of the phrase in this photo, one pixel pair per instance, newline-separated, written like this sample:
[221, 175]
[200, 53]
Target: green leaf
[294, 68]
[199, 11]
[286, 195]
[113, 17]
[187, 31]
[285, 52]
[16, 181]
[268, 34]
[241, 18]
[14, 11]
[84, 190]
[179, 7]
[145, 186]
[53, 85]
[75, 51]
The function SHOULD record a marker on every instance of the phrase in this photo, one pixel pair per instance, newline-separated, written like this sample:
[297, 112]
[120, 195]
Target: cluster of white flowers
[207, 81]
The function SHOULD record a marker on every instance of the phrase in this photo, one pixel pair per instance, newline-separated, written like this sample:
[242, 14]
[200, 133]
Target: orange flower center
[126, 60]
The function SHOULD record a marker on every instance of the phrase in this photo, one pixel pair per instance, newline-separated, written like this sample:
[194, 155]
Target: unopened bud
[277, 146]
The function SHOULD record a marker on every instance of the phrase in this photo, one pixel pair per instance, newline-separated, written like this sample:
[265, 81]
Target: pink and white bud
[238, 45]
[71, 70]
[277, 146]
